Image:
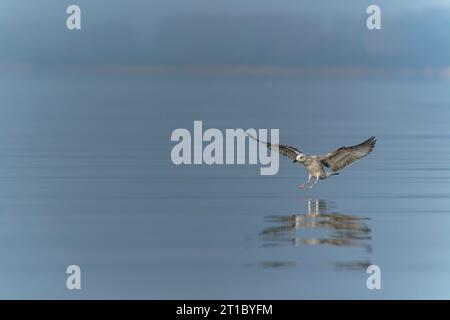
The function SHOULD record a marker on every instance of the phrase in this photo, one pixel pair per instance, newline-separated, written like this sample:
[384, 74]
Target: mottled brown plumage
[345, 156]
[335, 160]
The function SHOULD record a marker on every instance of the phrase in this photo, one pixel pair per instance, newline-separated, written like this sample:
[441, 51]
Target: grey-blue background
[86, 176]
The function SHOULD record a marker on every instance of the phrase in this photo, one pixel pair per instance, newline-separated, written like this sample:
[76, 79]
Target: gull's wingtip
[371, 142]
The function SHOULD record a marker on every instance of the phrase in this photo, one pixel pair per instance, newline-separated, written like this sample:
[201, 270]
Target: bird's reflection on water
[319, 226]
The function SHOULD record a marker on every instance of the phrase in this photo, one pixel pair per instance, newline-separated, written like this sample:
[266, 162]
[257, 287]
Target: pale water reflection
[319, 225]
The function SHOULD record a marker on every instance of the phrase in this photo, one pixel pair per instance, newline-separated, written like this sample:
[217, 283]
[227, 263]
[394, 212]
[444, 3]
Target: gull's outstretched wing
[345, 156]
[288, 151]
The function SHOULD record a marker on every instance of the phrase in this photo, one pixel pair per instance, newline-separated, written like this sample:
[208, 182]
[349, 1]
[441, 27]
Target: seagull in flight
[314, 164]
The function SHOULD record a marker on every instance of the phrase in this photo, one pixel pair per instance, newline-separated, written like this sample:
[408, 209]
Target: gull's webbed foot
[303, 185]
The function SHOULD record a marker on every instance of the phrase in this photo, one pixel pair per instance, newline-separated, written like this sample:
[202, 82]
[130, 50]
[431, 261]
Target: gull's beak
[294, 161]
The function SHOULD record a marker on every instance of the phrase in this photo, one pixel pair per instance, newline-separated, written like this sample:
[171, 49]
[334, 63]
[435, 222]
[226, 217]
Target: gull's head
[300, 158]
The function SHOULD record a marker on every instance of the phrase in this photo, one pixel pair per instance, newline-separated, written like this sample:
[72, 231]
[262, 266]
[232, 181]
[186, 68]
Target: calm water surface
[86, 178]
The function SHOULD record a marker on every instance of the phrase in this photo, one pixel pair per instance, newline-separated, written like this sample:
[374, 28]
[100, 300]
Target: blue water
[86, 178]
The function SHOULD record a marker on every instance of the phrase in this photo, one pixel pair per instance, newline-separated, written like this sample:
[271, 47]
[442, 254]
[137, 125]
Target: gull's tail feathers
[331, 173]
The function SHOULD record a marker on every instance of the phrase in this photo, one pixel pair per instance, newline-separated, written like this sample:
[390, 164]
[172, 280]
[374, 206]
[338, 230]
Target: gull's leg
[303, 185]
[313, 184]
